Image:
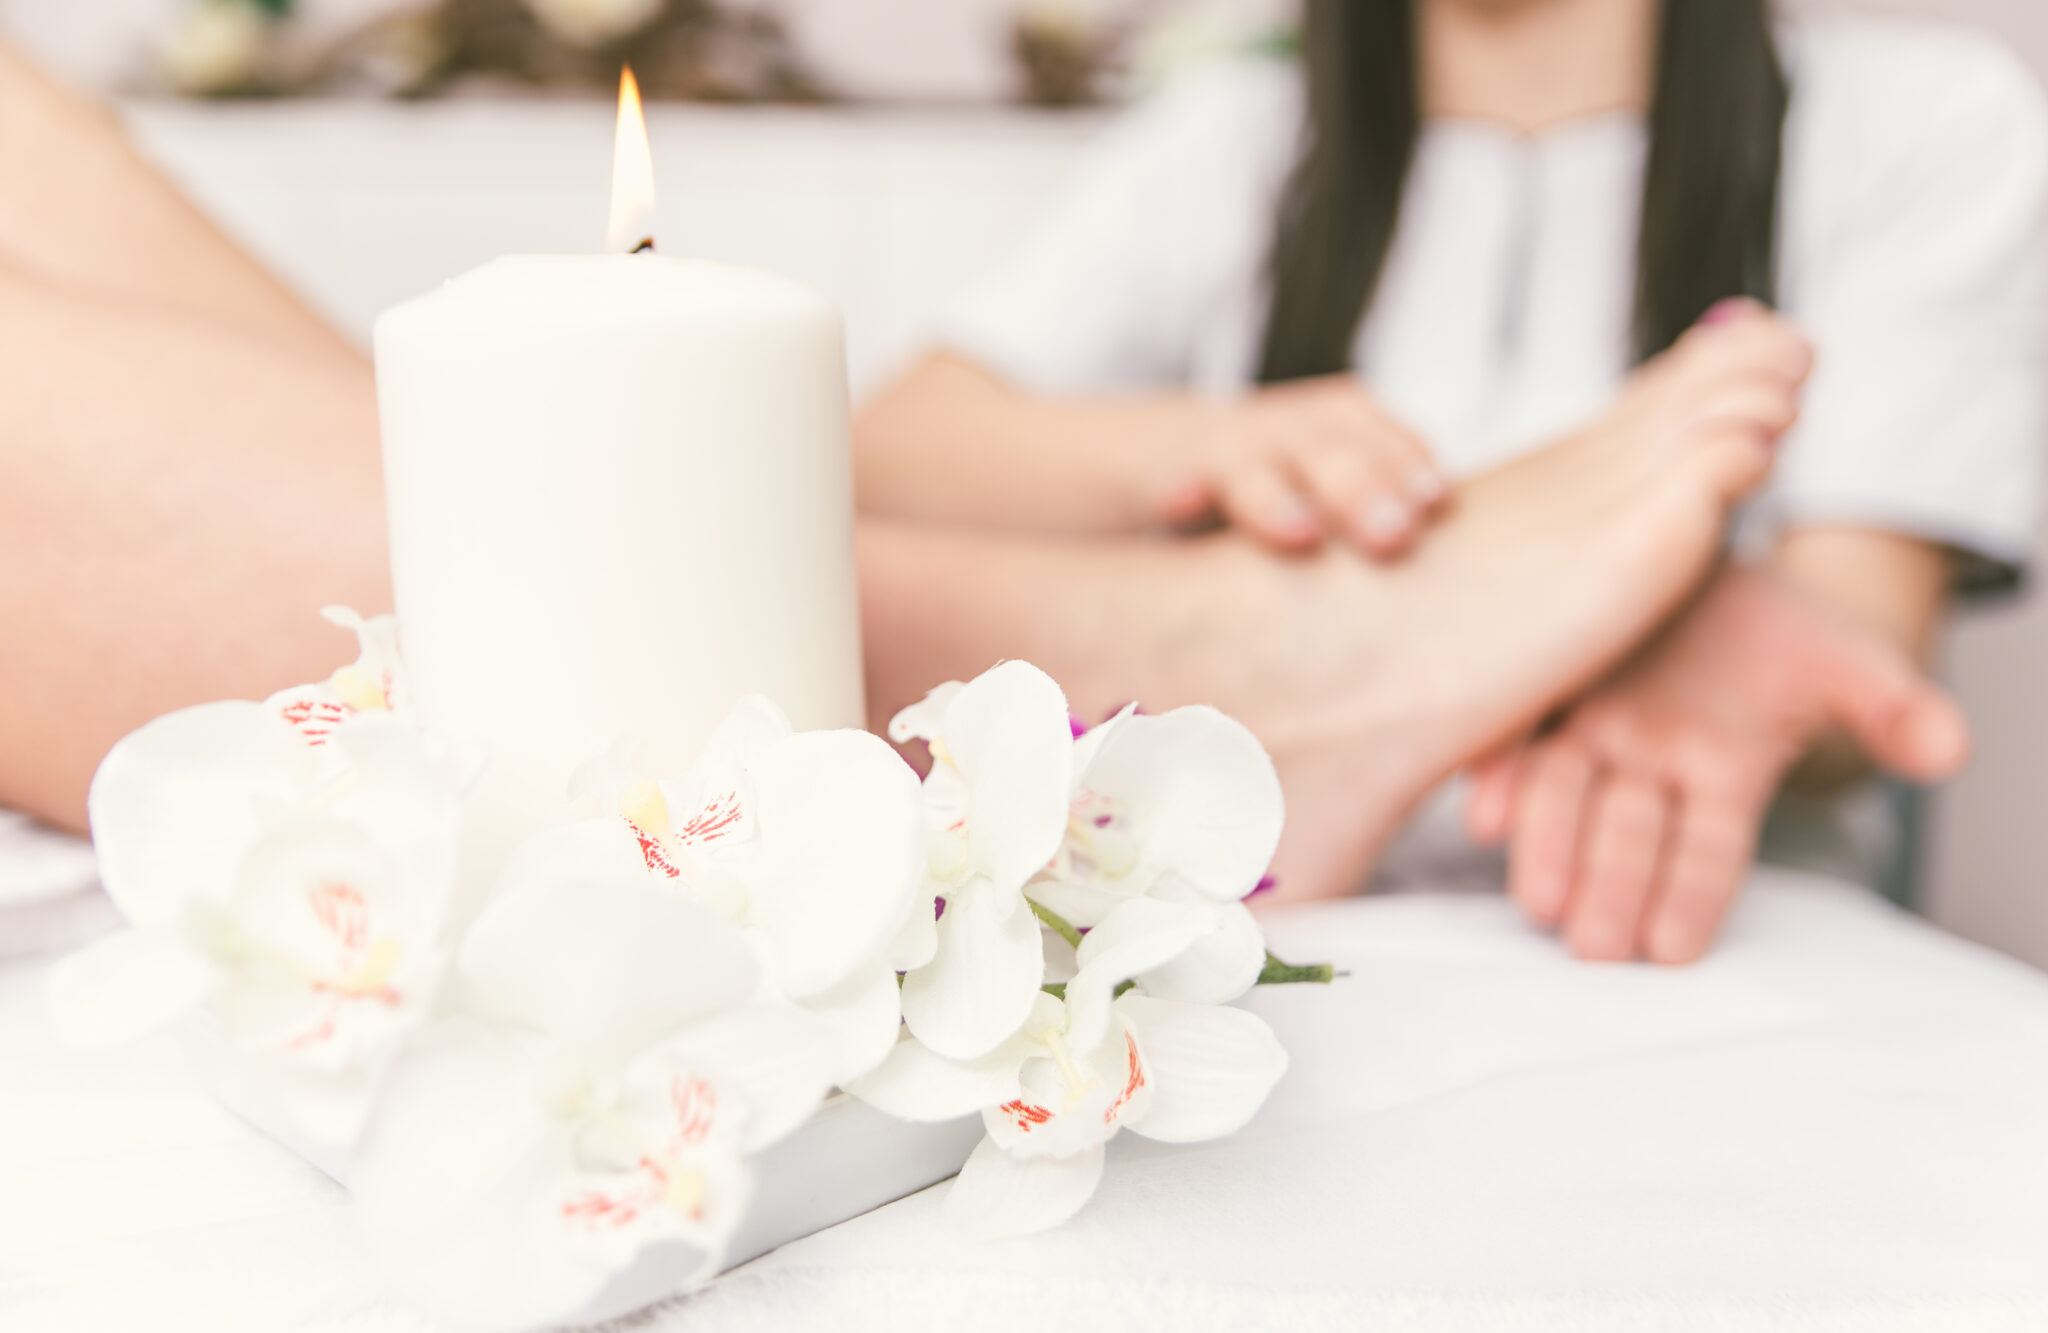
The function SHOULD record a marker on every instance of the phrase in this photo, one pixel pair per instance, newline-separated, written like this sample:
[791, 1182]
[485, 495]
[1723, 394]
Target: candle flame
[632, 221]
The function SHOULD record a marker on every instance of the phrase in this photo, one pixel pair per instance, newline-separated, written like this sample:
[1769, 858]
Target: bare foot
[1372, 684]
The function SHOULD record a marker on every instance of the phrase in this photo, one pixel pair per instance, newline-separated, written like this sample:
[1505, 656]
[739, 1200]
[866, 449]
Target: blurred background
[881, 150]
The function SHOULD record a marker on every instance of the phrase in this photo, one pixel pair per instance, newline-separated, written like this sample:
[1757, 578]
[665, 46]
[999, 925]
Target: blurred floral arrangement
[698, 50]
[1060, 52]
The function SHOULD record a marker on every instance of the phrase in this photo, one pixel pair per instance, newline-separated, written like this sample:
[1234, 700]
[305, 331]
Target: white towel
[50, 900]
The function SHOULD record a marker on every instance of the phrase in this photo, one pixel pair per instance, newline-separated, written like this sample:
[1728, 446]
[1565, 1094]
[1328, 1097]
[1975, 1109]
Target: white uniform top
[1911, 208]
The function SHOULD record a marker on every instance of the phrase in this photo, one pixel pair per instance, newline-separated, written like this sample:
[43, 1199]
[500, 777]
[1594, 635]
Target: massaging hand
[1297, 463]
[1632, 825]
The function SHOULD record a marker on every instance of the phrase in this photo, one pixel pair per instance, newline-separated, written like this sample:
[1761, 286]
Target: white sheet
[1838, 1122]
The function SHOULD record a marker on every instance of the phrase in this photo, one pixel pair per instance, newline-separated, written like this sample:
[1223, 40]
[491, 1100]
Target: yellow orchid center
[683, 1188]
[646, 809]
[941, 754]
[371, 977]
[359, 689]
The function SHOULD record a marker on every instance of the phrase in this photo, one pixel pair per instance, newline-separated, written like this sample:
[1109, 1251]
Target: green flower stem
[1057, 923]
[1058, 989]
[1278, 973]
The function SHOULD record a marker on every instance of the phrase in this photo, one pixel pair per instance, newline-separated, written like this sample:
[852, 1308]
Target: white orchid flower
[571, 1144]
[292, 888]
[1086, 1064]
[811, 842]
[996, 799]
[1185, 807]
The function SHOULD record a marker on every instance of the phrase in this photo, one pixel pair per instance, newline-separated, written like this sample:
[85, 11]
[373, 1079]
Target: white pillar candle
[620, 497]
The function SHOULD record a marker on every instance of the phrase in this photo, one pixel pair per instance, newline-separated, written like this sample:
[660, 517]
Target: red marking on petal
[384, 994]
[715, 820]
[592, 1210]
[1134, 1081]
[652, 852]
[342, 913]
[322, 1031]
[694, 1101]
[315, 719]
[1024, 1115]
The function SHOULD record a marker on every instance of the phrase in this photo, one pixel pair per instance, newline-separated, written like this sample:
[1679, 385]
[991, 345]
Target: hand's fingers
[1490, 797]
[1404, 459]
[1354, 492]
[1713, 839]
[1550, 796]
[1626, 817]
[1257, 496]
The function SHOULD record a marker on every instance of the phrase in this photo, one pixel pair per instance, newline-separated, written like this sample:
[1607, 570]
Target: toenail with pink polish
[1722, 312]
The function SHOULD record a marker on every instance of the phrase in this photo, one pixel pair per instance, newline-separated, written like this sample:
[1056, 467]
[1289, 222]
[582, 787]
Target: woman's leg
[80, 208]
[177, 497]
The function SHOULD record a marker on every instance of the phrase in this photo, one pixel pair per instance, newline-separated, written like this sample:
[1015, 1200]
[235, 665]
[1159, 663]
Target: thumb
[1903, 721]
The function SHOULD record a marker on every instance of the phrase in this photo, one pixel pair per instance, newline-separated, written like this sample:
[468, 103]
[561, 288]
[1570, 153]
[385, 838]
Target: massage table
[1838, 1121]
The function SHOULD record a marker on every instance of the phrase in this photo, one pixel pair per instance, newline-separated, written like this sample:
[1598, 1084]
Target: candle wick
[646, 245]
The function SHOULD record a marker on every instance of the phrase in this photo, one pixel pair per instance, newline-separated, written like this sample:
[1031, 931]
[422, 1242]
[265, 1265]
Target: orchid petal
[377, 652]
[1079, 903]
[175, 803]
[998, 1195]
[602, 848]
[1006, 732]
[917, 940]
[1211, 1067]
[1138, 936]
[1089, 743]
[979, 988]
[915, 1084]
[750, 727]
[860, 1019]
[1070, 1100]
[620, 962]
[840, 859]
[1218, 967]
[1202, 794]
[773, 1058]
[927, 717]
[408, 791]
[128, 985]
[456, 1181]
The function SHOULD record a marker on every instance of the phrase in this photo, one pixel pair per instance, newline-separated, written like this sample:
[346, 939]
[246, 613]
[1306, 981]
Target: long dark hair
[1710, 193]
